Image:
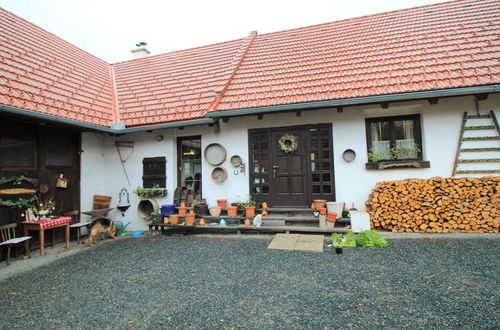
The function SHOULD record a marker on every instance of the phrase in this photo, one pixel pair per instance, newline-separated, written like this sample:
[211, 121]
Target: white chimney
[141, 50]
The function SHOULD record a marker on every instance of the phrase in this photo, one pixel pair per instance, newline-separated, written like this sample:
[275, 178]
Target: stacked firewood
[436, 205]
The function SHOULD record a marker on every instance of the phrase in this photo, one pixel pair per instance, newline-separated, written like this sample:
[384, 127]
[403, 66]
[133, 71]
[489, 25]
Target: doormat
[297, 242]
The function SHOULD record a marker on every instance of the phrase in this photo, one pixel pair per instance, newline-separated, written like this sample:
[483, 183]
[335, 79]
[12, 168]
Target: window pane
[17, 146]
[190, 163]
[405, 140]
[59, 150]
[381, 140]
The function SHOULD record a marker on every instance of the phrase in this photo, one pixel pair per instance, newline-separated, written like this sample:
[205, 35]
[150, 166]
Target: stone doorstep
[297, 242]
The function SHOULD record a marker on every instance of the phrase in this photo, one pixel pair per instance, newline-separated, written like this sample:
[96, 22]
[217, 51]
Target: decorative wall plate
[236, 161]
[215, 154]
[219, 174]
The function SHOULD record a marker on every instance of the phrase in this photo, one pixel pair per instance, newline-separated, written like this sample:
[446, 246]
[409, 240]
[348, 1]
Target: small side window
[154, 172]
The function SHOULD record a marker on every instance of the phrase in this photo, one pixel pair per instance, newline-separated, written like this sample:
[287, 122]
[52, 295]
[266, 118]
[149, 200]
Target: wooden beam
[481, 97]
[433, 100]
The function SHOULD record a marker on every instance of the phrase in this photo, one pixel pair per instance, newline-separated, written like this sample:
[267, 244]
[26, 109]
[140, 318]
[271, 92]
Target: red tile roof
[442, 46]
[43, 73]
[174, 86]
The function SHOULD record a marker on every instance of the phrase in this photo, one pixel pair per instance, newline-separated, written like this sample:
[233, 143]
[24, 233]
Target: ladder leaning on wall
[478, 151]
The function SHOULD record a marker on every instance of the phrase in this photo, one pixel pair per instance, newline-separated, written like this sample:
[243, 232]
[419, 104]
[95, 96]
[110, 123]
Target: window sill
[394, 164]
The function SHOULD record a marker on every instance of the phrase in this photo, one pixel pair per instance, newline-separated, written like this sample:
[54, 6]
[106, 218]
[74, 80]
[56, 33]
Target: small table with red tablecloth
[42, 225]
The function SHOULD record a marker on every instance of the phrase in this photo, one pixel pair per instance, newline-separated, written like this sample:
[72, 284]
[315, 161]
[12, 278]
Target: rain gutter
[358, 101]
[114, 129]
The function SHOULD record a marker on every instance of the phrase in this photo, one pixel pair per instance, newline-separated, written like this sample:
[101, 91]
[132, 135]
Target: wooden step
[490, 160]
[275, 229]
[482, 138]
[273, 218]
[477, 172]
[478, 116]
[479, 149]
[285, 209]
[472, 128]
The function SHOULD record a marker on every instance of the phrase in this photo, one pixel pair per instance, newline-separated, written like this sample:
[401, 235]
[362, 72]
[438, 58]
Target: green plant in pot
[249, 206]
[156, 217]
[155, 191]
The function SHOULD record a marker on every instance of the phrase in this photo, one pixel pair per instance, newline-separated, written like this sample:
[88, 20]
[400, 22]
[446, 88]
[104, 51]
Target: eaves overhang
[358, 101]
[114, 129]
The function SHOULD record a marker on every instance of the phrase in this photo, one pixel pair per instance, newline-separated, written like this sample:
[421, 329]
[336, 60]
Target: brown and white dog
[98, 227]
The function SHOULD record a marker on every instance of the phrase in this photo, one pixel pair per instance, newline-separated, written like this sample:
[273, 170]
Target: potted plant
[249, 206]
[156, 217]
[155, 191]
[336, 239]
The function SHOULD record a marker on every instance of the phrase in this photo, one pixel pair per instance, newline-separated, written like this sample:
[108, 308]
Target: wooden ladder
[482, 149]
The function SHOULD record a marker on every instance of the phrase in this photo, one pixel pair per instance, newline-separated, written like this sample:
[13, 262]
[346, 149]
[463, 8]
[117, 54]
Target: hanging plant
[288, 143]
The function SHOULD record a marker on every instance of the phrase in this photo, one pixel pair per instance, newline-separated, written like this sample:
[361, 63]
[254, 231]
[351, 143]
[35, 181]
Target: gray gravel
[223, 283]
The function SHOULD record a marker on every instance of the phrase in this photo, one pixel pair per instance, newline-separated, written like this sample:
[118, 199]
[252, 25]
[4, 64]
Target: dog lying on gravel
[98, 227]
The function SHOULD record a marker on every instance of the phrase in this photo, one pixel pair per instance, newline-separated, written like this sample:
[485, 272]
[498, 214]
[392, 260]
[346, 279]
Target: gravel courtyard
[223, 283]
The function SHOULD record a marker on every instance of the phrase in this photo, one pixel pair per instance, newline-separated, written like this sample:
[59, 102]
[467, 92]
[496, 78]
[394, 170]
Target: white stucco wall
[102, 172]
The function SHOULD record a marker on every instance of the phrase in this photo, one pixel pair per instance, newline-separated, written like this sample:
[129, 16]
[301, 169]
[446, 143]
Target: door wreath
[288, 143]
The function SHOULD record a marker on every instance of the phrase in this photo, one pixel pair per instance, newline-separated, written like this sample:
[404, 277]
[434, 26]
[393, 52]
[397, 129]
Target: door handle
[275, 168]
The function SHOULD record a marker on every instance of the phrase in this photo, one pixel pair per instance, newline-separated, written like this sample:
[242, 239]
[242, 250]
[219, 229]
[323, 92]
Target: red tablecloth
[47, 223]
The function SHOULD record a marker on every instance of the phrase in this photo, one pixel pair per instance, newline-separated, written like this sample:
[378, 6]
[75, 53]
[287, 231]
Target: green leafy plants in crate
[348, 239]
[371, 238]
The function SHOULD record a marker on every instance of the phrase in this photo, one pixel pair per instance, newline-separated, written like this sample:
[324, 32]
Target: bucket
[336, 207]
[201, 209]
[146, 207]
[167, 209]
[332, 216]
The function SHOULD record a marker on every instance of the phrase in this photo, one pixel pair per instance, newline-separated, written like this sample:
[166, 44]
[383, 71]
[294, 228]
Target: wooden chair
[76, 224]
[8, 238]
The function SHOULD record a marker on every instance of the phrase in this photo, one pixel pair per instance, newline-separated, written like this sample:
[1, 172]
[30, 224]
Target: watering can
[121, 228]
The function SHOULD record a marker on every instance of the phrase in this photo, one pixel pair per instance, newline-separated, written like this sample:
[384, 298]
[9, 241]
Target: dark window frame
[150, 177]
[180, 159]
[417, 133]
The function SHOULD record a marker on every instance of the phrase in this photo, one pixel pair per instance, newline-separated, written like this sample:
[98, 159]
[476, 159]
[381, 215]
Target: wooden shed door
[296, 178]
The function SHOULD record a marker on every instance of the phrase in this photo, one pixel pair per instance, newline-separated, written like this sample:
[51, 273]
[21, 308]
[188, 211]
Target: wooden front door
[295, 178]
[288, 170]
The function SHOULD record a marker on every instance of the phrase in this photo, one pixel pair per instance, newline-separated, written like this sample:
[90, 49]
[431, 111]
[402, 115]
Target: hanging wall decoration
[288, 143]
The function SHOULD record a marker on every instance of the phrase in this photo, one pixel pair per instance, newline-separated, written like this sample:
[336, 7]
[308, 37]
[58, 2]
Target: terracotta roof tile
[431, 47]
[44, 73]
[447, 45]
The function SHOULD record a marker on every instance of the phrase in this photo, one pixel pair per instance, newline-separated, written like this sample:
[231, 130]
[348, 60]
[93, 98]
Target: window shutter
[154, 170]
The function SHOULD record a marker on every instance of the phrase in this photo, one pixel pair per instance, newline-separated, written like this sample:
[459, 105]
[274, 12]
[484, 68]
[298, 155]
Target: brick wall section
[436, 205]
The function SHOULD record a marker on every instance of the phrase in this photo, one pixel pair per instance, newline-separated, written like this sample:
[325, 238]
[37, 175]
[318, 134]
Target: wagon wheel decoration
[288, 143]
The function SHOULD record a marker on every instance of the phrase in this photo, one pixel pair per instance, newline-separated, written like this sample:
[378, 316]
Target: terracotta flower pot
[215, 211]
[250, 211]
[319, 203]
[264, 205]
[202, 222]
[322, 210]
[174, 219]
[189, 219]
[182, 210]
[248, 222]
[313, 206]
[332, 216]
[166, 220]
[232, 211]
[222, 203]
